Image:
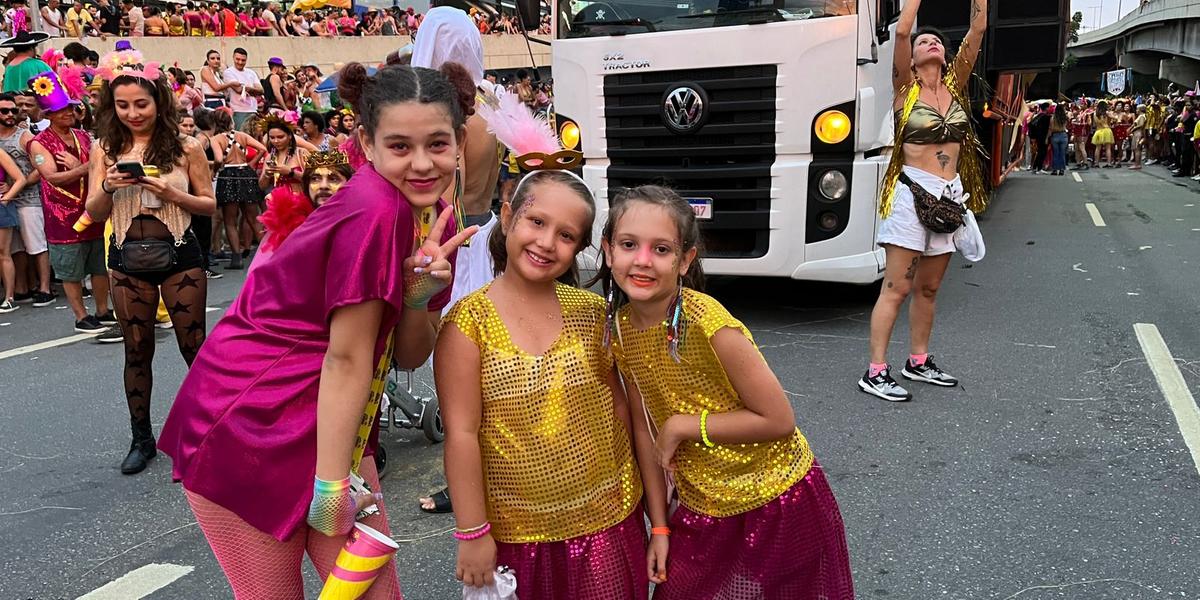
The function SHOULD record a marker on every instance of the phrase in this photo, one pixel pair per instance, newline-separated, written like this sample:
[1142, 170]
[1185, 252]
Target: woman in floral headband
[149, 180]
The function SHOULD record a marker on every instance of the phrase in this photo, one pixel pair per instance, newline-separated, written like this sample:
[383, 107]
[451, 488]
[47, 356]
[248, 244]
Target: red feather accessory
[286, 211]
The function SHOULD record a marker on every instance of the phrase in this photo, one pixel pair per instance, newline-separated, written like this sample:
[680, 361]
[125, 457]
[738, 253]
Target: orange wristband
[660, 531]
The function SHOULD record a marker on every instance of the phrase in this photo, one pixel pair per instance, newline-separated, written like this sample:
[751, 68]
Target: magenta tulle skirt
[607, 565]
[792, 548]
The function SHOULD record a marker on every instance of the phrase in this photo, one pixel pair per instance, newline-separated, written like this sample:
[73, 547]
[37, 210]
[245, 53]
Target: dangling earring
[456, 203]
[675, 324]
[610, 311]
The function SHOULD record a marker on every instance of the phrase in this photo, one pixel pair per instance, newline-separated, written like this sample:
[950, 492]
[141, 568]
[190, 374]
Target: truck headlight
[569, 134]
[832, 126]
[832, 185]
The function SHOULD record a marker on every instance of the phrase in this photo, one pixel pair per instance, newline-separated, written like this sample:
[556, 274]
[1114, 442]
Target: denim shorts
[8, 215]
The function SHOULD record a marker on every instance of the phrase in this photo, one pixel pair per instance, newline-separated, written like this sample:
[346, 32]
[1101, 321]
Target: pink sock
[876, 369]
[917, 359]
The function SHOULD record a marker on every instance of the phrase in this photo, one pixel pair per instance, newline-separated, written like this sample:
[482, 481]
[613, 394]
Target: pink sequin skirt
[607, 565]
[792, 548]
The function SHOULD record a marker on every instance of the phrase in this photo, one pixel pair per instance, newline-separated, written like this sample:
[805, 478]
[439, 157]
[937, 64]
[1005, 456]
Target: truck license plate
[702, 207]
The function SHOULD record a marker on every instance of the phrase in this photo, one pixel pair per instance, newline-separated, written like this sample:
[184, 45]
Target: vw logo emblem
[683, 109]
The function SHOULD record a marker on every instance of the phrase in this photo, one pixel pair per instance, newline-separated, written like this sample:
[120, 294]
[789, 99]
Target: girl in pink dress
[264, 427]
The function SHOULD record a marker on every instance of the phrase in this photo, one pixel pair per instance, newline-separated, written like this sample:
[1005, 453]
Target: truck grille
[728, 159]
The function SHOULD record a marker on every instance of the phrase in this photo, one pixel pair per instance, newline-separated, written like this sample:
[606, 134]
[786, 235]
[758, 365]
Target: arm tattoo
[912, 269]
[943, 159]
[975, 10]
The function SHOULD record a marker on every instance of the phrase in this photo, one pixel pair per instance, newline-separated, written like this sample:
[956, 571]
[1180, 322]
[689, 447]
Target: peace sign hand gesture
[427, 271]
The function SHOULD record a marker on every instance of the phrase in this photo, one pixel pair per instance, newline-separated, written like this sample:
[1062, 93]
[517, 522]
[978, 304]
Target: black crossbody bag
[148, 255]
[937, 214]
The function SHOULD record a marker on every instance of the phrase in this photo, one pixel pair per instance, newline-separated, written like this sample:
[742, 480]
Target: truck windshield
[593, 18]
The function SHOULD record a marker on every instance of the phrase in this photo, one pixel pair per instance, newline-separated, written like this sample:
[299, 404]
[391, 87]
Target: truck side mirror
[530, 12]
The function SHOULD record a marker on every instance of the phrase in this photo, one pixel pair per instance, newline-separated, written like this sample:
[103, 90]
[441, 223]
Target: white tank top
[205, 88]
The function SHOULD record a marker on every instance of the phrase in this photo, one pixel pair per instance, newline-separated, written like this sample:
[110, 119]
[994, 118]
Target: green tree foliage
[1073, 28]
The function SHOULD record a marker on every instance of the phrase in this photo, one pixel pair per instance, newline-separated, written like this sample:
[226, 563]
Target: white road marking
[1078, 267]
[1097, 220]
[44, 345]
[1145, 247]
[61, 341]
[1173, 387]
[138, 583]
[1078, 179]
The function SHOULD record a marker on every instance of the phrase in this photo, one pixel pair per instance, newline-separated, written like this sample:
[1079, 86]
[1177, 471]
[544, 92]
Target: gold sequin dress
[557, 461]
[727, 479]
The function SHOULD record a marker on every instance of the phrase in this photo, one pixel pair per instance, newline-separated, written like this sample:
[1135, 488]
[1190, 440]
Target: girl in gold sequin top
[538, 455]
[756, 518]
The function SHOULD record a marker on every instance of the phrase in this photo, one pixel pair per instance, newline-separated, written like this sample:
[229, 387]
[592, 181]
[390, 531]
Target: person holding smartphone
[149, 179]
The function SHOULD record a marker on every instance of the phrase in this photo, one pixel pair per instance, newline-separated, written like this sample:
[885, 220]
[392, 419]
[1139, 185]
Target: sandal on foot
[441, 503]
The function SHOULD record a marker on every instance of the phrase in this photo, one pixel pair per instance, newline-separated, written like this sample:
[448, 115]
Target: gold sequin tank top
[727, 479]
[557, 462]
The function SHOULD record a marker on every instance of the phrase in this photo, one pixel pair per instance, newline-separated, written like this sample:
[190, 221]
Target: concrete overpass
[1159, 40]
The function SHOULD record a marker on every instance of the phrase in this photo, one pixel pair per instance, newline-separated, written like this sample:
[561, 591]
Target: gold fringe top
[127, 203]
[970, 167]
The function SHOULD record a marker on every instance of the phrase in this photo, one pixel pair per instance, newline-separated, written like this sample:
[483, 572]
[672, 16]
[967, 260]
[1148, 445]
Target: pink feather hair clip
[530, 137]
[127, 63]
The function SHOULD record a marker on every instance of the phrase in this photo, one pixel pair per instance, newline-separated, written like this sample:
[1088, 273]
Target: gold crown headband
[326, 158]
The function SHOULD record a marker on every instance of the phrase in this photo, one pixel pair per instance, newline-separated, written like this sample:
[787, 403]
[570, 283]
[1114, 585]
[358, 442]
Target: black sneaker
[8, 306]
[883, 386]
[25, 298]
[89, 324]
[113, 335]
[107, 318]
[43, 299]
[211, 274]
[927, 372]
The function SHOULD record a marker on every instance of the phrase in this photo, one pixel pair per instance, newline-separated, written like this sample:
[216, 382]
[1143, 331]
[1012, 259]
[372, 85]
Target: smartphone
[132, 169]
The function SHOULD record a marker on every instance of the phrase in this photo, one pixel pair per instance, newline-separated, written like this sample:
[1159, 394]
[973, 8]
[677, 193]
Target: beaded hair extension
[676, 326]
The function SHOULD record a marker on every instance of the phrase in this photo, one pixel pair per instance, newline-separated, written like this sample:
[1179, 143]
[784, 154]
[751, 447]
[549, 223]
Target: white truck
[772, 117]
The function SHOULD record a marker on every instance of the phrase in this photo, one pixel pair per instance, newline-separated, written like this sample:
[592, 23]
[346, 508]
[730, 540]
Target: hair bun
[351, 80]
[464, 87]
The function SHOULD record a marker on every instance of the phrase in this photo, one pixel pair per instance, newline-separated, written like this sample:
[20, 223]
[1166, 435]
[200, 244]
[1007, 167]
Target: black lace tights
[136, 302]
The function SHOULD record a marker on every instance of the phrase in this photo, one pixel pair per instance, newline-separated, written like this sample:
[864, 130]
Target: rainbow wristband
[704, 429]
[473, 535]
[332, 511]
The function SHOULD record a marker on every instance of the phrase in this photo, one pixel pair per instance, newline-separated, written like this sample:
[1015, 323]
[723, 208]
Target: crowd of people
[1115, 132]
[122, 178]
[135, 18]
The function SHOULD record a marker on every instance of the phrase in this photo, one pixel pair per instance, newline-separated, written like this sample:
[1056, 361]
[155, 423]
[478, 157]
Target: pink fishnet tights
[259, 567]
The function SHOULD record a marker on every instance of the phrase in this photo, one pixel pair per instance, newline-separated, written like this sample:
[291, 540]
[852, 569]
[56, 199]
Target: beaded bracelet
[704, 428]
[472, 529]
[660, 531]
[466, 537]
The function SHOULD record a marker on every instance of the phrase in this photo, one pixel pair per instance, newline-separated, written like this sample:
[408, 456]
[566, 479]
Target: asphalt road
[1057, 470]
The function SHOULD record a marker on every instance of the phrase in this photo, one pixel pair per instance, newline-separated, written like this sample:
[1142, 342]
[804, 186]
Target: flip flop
[441, 502]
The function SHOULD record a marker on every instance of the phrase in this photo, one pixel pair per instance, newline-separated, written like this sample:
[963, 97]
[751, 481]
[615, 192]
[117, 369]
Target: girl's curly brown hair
[165, 149]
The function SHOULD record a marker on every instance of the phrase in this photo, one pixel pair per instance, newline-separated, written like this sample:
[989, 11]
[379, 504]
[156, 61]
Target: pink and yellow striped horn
[358, 564]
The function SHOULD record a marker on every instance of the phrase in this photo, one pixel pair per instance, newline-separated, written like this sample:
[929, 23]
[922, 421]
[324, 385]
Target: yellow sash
[378, 382]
